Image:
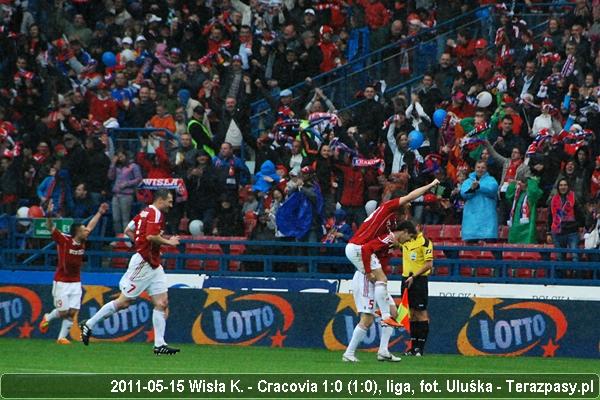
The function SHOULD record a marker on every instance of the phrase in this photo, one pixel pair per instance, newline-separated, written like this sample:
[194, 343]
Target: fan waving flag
[404, 312]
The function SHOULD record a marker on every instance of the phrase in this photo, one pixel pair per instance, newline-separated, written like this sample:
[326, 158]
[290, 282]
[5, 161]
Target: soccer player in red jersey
[363, 291]
[66, 288]
[378, 225]
[144, 273]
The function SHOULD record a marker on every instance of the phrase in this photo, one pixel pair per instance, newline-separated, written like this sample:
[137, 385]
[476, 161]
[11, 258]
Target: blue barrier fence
[499, 263]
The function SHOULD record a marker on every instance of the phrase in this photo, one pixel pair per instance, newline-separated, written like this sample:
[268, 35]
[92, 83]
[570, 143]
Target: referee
[417, 261]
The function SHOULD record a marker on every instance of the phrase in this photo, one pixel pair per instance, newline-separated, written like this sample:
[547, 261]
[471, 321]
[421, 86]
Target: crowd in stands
[508, 124]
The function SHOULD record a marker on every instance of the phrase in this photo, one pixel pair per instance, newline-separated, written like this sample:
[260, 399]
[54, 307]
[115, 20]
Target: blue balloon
[415, 140]
[438, 117]
[109, 59]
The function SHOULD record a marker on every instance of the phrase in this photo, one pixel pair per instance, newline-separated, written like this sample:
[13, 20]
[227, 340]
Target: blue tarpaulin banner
[469, 326]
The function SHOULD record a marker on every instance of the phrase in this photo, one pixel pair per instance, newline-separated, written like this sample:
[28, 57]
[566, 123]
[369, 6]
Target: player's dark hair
[74, 228]
[162, 194]
[407, 226]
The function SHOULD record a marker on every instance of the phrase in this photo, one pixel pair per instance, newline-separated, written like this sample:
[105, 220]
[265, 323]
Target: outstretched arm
[94, 221]
[49, 210]
[418, 192]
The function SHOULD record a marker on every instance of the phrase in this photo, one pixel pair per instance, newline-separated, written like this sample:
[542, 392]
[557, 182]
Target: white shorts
[354, 254]
[66, 295]
[141, 276]
[363, 291]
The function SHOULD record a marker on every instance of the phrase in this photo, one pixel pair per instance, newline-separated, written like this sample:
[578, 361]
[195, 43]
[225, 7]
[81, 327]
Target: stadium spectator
[59, 87]
[96, 167]
[56, 187]
[480, 219]
[228, 218]
[125, 176]
[83, 204]
[524, 193]
[231, 172]
[203, 190]
[565, 219]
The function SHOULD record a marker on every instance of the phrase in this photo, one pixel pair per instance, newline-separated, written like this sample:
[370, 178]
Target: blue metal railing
[121, 137]
[341, 83]
[277, 258]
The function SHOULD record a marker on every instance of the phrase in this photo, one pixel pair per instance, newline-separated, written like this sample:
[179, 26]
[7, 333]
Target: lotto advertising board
[469, 326]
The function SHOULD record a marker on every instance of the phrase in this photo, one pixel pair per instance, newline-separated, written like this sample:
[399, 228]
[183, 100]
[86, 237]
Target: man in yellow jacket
[417, 262]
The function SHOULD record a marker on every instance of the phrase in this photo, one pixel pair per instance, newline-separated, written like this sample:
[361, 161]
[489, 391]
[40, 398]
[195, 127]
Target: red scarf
[562, 211]
[524, 208]
[511, 172]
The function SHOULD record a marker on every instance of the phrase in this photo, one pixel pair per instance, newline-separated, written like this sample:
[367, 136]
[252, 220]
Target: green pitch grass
[39, 356]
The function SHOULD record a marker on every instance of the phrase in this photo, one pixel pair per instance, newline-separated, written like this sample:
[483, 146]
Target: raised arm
[94, 221]
[49, 210]
[418, 192]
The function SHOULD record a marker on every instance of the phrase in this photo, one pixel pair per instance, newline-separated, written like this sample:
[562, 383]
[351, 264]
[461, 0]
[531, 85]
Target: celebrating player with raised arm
[379, 224]
[144, 273]
[66, 288]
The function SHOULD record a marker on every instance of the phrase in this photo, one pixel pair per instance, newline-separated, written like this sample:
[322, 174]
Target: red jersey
[377, 224]
[380, 246]
[149, 221]
[70, 257]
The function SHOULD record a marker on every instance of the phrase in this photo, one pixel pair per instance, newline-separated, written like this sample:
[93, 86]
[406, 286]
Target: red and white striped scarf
[524, 208]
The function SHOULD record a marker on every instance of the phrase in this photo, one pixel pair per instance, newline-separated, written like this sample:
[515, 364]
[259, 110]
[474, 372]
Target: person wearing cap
[234, 82]
[203, 190]
[229, 221]
[309, 22]
[328, 48]
[200, 132]
[482, 63]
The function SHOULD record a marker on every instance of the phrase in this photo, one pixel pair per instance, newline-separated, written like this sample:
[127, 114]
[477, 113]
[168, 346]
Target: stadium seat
[433, 232]
[183, 225]
[169, 262]
[234, 265]
[451, 232]
[204, 249]
[120, 247]
[442, 270]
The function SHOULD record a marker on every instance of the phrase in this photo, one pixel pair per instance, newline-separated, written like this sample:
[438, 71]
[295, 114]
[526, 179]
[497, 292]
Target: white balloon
[370, 207]
[484, 99]
[23, 212]
[338, 205]
[196, 228]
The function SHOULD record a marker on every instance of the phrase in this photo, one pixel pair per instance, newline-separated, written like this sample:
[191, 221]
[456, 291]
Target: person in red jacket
[156, 168]
[102, 106]
[376, 14]
[328, 48]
